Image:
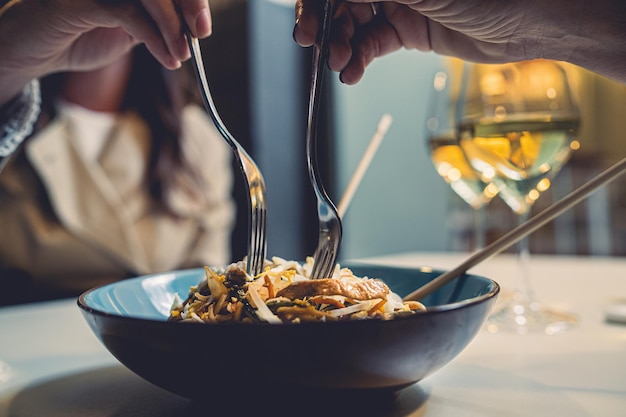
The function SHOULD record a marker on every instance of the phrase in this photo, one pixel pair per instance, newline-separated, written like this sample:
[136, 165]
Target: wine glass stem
[523, 253]
[479, 227]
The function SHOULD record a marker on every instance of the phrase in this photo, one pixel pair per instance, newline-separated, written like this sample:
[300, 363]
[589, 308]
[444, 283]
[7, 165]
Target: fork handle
[319, 62]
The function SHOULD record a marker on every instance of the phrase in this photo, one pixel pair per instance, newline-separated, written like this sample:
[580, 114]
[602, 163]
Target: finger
[342, 31]
[307, 22]
[167, 19]
[197, 19]
[379, 40]
[349, 19]
[364, 13]
[197, 16]
[136, 21]
[391, 30]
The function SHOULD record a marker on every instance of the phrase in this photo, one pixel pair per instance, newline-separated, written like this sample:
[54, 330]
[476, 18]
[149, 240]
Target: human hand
[583, 33]
[41, 37]
[475, 30]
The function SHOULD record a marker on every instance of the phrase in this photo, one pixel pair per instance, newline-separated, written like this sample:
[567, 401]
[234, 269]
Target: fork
[329, 222]
[255, 185]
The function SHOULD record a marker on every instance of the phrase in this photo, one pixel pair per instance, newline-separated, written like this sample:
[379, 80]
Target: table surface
[51, 364]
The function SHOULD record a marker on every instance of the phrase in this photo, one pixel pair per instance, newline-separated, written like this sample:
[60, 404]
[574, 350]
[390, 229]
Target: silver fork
[257, 214]
[329, 221]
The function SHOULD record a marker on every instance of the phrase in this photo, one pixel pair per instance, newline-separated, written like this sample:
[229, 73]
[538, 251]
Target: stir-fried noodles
[284, 293]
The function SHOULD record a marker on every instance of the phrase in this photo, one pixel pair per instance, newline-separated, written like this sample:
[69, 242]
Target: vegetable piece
[215, 284]
[263, 310]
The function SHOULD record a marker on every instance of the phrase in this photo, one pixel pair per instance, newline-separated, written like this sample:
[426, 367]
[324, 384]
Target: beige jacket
[70, 224]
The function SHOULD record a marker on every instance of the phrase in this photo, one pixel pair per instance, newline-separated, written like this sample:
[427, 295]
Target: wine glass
[518, 127]
[448, 157]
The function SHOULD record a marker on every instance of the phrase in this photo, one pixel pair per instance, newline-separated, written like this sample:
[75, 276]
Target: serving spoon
[522, 230]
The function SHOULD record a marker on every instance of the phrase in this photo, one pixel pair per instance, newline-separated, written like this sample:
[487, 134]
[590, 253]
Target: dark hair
[158, 96]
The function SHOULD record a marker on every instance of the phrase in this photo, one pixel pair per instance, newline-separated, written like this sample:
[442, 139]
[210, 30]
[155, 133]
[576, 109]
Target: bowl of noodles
[216, 332]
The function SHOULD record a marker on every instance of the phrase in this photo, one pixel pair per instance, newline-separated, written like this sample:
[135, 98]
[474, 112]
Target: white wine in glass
[519, 156]
[448, 157]
[518, 129]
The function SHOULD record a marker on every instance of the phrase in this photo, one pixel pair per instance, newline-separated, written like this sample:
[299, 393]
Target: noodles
[283, 293]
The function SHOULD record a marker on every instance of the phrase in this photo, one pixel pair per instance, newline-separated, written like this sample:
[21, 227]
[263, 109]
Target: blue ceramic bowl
[198, 360]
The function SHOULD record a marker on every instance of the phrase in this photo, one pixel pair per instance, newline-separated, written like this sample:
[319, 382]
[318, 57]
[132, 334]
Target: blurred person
[587, 34]
[124, 175]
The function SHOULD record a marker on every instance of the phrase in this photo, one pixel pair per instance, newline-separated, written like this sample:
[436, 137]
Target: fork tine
[317, 271]
[257, 241]
[324, 263]
[328, 246]
[262, 240]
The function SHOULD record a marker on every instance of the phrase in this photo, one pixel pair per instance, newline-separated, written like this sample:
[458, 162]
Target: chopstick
[522, 230]
[372, 148]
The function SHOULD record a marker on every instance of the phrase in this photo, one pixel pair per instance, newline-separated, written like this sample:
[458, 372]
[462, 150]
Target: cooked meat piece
[361, 289]
[235, 276]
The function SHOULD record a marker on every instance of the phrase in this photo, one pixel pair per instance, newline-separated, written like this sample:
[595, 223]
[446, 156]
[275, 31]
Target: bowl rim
[437, 309]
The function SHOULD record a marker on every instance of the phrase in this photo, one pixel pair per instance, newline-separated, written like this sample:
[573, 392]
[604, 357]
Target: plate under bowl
[198, 360]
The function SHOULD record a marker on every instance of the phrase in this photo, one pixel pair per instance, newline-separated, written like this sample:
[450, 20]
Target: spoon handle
[522, 230]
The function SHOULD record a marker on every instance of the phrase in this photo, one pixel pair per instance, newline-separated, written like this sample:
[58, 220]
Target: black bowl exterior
[198, 361]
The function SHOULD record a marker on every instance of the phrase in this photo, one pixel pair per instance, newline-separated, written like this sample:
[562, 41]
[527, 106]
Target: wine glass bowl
[452, 165]
[517, 129]
[449, 159]
[519, 157]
